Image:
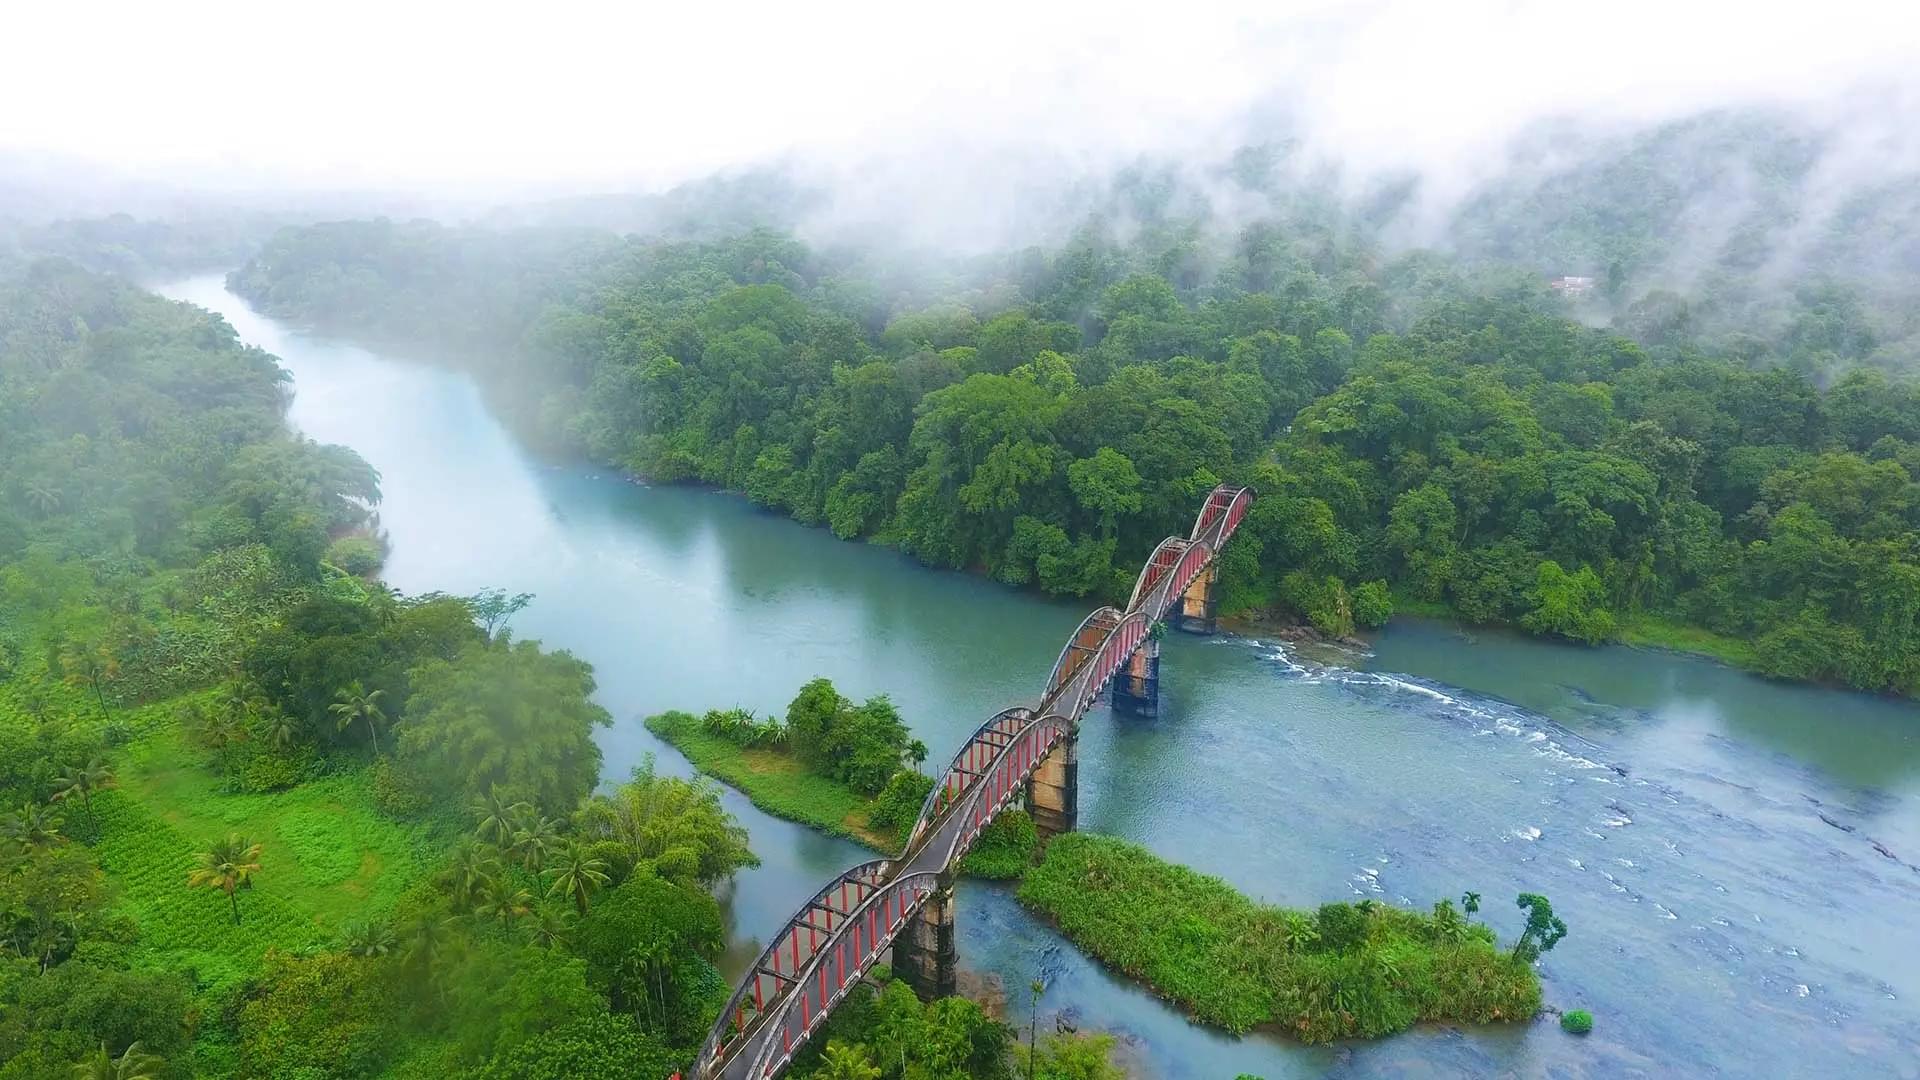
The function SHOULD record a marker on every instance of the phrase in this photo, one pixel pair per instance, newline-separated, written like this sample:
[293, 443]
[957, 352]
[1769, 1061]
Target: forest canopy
[1421, 436]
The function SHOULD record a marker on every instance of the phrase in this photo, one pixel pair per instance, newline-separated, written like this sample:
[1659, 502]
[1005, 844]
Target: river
[1736, 859]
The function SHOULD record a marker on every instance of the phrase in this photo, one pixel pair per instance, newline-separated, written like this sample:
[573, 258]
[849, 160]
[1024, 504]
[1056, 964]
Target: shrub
[399, 791]
[898, 804]
[1372, 604]
[1577, 1022]
[263, 769]
[357, 555]
[1005, 848]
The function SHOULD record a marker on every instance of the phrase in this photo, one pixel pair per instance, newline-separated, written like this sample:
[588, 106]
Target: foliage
[1576, 1021]
[1005, 849]
[505, 713]
[675, 826]
[325, 1014]
[650, 946]
[862, 745]
[1351, 970]
[1454, 432]
[898, 805]
[894, 1034]
[596, 1046]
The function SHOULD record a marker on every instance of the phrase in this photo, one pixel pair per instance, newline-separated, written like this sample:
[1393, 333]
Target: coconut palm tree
[279, 728]
[551, 925]
[502, 898]
[471, 867]
[369, 939]
[497, 816]
[535, 837]
[84, 780]
[91, 665]
[355, 703]
[32, 827]
[43, 497]
[383, 601]
[228, 866]
[577, 874]
[134, 1063]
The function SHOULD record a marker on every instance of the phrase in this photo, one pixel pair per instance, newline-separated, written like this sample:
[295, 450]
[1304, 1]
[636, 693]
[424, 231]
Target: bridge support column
[1199, 605]
[925, 956]
[1053, 791]
[1136, 689]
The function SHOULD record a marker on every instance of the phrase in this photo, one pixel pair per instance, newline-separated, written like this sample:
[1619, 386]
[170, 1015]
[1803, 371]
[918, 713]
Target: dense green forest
[1421, 435]
[262, 815]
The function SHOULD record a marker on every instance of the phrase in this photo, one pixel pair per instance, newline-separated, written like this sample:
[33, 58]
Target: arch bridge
[1022, 754]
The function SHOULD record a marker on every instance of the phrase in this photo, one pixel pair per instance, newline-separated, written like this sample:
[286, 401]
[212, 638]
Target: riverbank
[1344, 971]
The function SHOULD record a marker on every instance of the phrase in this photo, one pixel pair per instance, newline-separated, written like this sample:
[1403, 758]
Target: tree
[368, 939]
[497, 816]
[649, 944]
[1543, 930]
[843, 1062]
[1470, 901]
[494, 608]
[1107, 485]
[535, 836]
[1569, 605]
[90, 664]
[506, 715]
[229, 866]
[356, 703]
[84, 780]
[134, 1063]
[32, 827]
[577, 874]
[679, 826]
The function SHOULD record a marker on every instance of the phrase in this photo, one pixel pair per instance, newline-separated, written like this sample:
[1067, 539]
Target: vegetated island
[1345, 970]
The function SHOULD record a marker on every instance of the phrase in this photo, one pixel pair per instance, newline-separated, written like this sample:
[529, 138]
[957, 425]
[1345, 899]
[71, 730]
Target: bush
[262, 769]
[898, 804]
[1577, 1022]
[1372, 604]
[398, 791]
[1005, 848]
[357, 555]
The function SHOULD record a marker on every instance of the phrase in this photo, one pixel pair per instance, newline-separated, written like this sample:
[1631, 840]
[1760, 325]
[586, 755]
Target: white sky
[568, 95]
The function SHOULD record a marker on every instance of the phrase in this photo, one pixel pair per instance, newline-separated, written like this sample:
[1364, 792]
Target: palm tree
[500, 897]
[578, 875]
[84, 780]
[221, 729]
[353, 703]
[228, 866]
[44, 497]
[535, 839]
[843, 1062]
[133, 1064]
[384, 602]
[369, 939]
[472, 866]
[1470, 901]
[91, 665]
[32, 827]
[551, 925]
[497, 816]
[917, 753]
[280, 728]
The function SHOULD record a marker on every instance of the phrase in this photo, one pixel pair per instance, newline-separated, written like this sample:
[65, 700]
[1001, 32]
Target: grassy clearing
[328, 857]
[1656, 633]
[776, 782]
[1344, 971]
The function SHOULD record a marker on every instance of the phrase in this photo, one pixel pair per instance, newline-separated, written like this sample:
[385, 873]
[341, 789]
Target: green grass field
[776, 782]
[328, 856]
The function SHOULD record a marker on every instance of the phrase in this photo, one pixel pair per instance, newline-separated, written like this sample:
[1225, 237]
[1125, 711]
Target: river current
[1738, 860]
